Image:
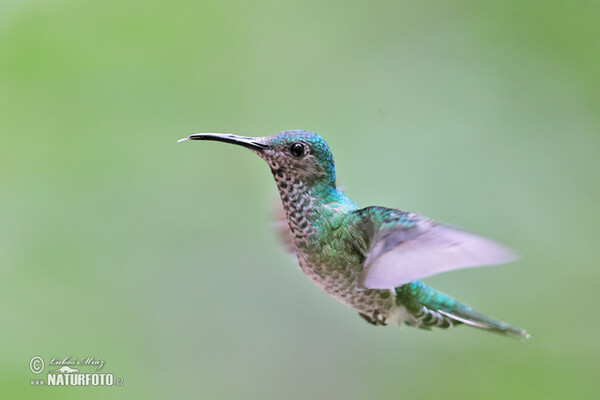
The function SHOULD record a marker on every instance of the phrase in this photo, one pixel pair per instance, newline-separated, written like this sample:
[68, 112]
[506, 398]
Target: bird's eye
[297, 149]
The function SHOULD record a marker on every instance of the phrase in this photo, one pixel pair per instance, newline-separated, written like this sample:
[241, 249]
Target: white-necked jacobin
[369, 259]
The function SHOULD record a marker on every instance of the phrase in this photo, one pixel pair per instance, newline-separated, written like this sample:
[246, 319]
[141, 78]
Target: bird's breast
[339, 277]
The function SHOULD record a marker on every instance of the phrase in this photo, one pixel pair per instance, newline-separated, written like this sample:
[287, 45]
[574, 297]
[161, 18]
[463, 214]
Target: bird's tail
[429, 308]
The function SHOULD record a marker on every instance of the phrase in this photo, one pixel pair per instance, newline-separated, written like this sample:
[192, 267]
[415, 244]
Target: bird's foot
[377, 318]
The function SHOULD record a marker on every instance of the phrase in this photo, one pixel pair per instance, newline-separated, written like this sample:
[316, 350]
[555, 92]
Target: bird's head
[292, 155]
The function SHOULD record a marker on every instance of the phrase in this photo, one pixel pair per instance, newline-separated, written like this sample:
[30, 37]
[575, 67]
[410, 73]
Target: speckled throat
[299, 208]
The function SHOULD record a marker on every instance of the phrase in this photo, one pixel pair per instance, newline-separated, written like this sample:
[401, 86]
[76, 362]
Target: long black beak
[248, 142]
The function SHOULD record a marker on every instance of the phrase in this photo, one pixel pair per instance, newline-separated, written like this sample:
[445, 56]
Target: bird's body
[368, 259]
[330, 249]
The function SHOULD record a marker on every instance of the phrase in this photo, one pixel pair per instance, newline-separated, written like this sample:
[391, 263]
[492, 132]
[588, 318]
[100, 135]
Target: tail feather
[468, 316]
[428, 308]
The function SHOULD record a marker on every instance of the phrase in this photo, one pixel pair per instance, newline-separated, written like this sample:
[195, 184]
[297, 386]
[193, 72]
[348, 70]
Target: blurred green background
[118, 243]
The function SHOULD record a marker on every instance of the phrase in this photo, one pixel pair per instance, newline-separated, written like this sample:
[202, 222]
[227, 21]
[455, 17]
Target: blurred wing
[282, 229]
[404, 253]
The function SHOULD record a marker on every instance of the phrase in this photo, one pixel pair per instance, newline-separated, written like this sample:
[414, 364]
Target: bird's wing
[404, 247]
[282, 228]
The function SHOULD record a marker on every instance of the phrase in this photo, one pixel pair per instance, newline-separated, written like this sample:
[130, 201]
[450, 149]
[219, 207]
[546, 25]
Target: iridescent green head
[294, 155]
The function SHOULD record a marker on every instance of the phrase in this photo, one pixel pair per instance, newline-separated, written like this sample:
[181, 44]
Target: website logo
[69, 371]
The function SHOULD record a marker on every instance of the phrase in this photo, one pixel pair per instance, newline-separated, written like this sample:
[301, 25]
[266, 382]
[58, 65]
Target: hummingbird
[370, 259]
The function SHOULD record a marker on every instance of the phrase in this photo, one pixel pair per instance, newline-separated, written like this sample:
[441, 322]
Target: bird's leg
[378, 318]
[367, 318]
